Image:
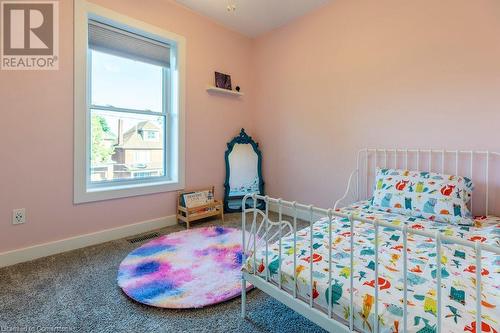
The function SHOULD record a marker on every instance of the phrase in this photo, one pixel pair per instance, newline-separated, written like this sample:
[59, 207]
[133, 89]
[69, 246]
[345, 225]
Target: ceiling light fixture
[231, 7]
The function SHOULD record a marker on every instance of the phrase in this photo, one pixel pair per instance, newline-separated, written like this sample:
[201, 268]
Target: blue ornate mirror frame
[233, 196]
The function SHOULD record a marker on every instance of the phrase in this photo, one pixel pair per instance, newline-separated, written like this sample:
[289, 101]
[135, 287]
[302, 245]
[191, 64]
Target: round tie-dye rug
[187, 269]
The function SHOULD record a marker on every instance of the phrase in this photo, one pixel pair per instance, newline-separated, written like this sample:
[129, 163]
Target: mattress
[457, 271]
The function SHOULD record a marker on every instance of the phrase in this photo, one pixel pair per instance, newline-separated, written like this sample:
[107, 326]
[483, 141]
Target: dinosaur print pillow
[433, 196]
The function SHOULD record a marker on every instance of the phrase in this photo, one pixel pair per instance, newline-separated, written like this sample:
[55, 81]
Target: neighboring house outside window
[133, 152]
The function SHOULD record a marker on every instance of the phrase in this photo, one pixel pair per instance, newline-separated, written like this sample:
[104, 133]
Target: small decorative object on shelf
[243, 172]
[223, 81]
[238, 88]
[199, 204]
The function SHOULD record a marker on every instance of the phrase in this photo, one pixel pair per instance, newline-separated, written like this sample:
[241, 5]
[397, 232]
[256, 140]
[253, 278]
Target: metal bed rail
[270, 231]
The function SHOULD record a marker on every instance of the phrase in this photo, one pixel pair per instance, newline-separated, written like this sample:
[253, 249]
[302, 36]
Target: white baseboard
[301, 213]
[43, 250]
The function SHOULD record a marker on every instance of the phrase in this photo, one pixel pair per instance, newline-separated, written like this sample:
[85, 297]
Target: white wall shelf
[212, 89]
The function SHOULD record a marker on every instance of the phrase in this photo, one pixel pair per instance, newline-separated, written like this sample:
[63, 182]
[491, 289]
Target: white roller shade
[105, 38]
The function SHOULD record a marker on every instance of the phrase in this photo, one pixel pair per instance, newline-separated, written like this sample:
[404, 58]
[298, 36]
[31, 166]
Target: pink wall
[349, 75]
[382, 73]
[37, 129]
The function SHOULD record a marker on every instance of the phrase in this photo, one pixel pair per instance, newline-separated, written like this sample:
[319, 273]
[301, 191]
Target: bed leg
[243, 297]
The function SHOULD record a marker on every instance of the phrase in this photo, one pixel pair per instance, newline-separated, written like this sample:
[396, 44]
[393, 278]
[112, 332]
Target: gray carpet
[76, 291]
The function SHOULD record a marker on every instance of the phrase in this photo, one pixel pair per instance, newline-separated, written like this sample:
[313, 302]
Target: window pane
[125, 146]
[126, 83]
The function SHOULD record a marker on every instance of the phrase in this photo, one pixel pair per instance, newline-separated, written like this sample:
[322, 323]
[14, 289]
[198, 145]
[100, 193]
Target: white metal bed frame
[268, 231]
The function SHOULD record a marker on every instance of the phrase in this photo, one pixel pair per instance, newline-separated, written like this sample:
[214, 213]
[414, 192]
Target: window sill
[92, 194]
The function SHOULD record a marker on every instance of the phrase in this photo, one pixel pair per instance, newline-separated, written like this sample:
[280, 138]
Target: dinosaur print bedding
[458, 272]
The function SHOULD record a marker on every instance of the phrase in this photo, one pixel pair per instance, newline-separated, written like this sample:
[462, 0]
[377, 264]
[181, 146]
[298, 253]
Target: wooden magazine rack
[197, 212]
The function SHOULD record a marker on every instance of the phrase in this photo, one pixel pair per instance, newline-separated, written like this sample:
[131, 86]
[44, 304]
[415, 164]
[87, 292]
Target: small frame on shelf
[223, 81]
[198, 204]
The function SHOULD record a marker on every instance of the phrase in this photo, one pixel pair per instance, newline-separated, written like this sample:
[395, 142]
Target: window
[151, 136]
[128, 106]
[142, 157]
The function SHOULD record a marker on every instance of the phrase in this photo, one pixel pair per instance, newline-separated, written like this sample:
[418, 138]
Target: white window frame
[175, 178]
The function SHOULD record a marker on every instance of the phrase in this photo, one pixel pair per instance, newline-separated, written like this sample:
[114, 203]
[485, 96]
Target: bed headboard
[483, 167]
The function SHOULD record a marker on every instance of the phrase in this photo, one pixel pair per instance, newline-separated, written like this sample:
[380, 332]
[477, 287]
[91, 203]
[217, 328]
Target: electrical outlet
[19, 216]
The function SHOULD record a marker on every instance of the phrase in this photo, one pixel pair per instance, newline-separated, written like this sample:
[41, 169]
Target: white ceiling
[253, 17]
